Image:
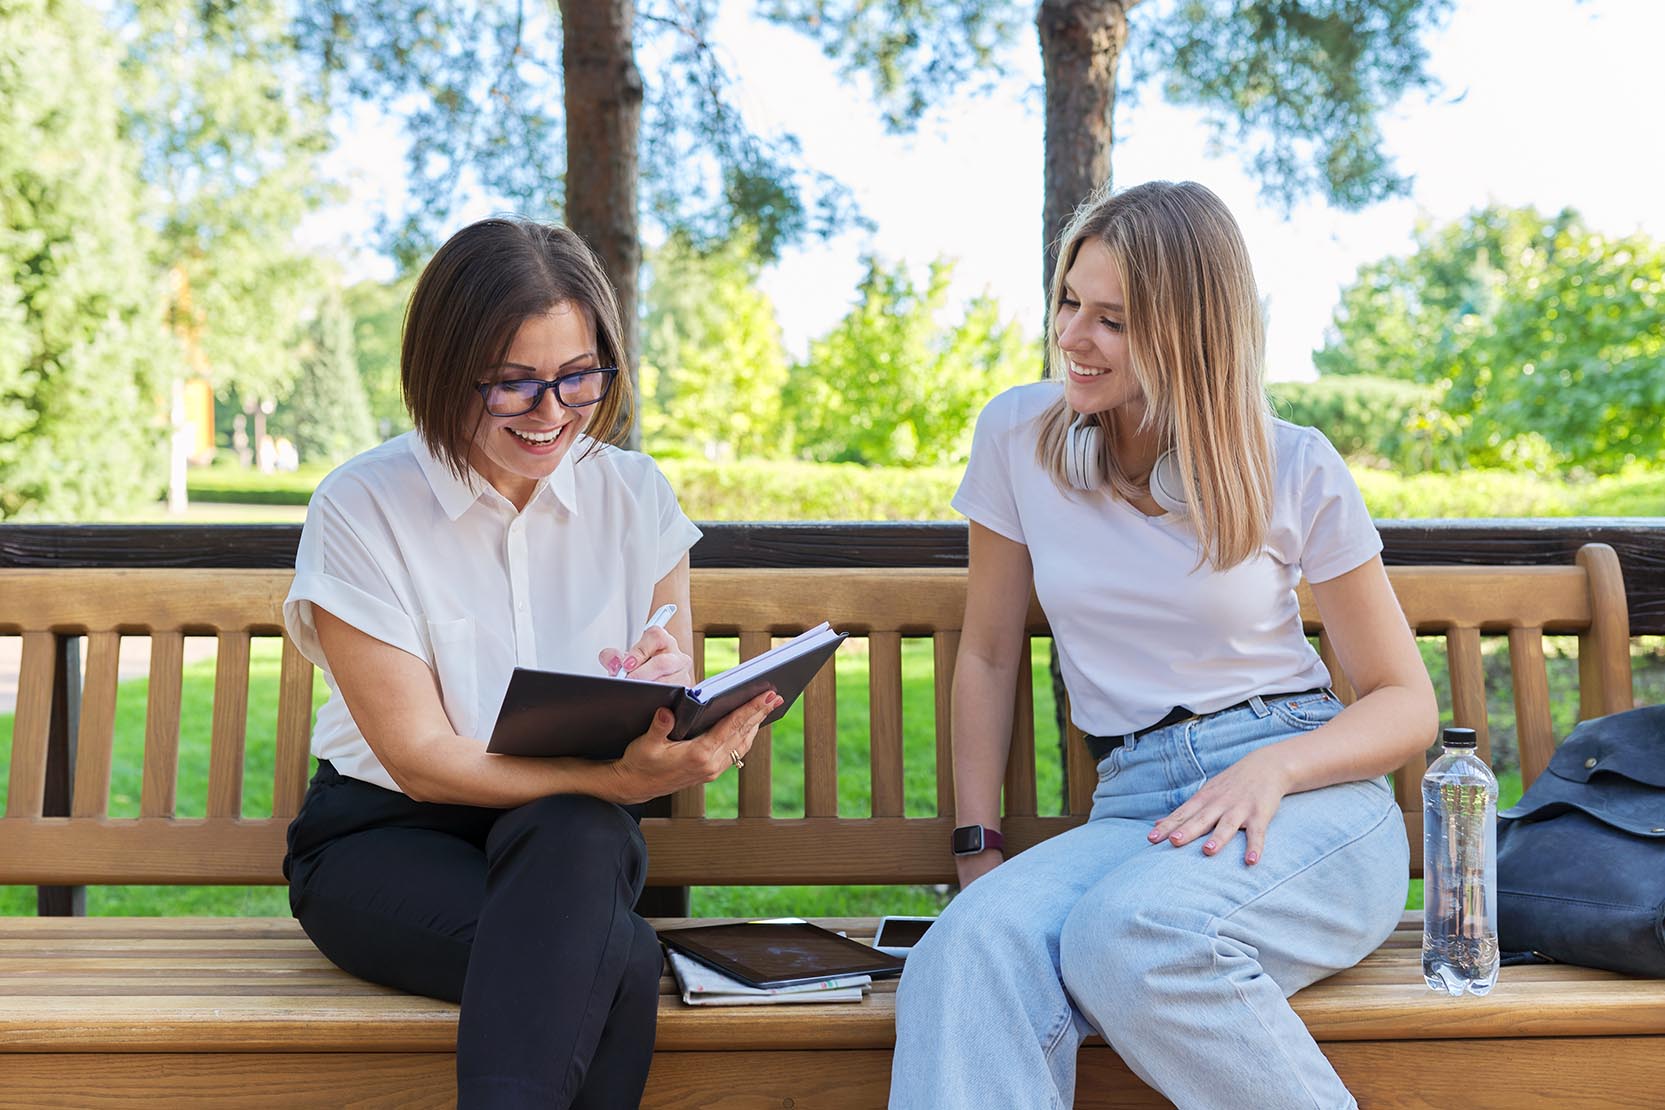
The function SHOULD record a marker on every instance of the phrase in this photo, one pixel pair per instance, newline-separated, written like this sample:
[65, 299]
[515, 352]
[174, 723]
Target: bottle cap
[1459, 738]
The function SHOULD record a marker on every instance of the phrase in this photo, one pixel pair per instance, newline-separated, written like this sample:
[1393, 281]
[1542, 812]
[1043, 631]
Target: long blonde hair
[1196, 346]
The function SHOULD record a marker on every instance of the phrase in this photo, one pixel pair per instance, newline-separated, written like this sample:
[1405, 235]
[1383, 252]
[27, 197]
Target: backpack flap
[1581, 858]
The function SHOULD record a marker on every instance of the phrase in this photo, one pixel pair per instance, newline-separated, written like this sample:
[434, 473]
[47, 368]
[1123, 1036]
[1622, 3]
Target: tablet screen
[779, 954]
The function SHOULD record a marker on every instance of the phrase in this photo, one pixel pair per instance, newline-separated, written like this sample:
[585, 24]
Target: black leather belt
[1101, 746]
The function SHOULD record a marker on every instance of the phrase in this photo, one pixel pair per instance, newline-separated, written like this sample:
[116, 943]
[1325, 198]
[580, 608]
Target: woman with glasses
[506, 530]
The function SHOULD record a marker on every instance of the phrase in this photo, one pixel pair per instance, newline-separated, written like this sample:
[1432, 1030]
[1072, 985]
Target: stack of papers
[704, 986]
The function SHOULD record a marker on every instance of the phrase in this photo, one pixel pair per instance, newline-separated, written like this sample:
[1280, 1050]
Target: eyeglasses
[519, 396]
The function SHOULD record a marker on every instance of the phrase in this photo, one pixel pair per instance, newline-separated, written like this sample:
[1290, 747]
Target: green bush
[756, 490]
[245, 486]
[811, 491]
[1507, 493]
[1360, 415]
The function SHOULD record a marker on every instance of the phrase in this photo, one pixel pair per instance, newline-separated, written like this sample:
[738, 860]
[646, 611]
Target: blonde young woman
[1243, 841]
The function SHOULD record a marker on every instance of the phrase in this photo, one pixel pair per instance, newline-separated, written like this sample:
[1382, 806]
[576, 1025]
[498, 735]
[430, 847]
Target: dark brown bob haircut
[472, 297]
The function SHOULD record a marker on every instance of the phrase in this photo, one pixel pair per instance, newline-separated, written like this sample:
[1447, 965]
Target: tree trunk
[1081, 44]
[603, 90]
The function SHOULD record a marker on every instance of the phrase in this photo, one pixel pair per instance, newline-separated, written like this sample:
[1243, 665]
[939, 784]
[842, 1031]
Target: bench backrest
[764, 842]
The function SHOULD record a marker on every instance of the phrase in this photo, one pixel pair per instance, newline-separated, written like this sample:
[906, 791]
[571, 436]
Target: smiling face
[514, 453]
[1091, 330]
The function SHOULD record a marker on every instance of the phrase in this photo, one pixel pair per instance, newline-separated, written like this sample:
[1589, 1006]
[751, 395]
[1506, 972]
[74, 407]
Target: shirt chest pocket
[456, 666]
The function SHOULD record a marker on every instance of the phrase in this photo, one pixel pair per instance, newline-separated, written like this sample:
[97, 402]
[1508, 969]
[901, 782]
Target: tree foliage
[82, 347]
[378, 312]
[1295, 84]
[891, 384]
[327, 414]
[478, 89]
[712, 362]
[1540, 335]
[229, 133]
[913, 51]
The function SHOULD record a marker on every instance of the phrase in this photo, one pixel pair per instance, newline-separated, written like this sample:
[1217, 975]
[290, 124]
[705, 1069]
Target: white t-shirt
[448, 571]
[1139, 627]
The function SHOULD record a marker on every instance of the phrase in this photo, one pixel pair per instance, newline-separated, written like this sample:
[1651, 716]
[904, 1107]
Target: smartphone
[898, 934]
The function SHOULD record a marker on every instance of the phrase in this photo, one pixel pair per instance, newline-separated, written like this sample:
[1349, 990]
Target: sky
[1550, 103]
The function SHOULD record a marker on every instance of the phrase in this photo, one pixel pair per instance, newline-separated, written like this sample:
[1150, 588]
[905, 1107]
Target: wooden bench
[245, 1011]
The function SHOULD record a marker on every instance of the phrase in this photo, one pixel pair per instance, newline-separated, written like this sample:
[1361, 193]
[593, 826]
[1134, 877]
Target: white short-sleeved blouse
[1138, 626]
[448, 571]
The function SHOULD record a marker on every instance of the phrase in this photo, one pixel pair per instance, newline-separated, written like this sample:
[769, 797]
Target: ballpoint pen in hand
[661, 617]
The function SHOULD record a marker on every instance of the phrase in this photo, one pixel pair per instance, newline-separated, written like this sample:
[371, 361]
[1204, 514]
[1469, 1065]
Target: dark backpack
[1581, 858]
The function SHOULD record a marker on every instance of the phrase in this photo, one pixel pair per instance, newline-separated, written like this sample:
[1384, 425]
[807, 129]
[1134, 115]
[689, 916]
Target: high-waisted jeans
[1182, 962]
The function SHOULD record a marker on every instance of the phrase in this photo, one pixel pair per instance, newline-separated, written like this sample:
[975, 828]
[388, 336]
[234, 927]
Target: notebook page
[741, 673]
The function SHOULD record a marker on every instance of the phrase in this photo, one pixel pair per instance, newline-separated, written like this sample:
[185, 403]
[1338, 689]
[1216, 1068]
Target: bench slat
[1080, 772]
[690, 801]
[64, 851]
[945, 651]
[230, 726]
[160, 784]
[294, 731]
[1492, 599]
[910, 601]
[821, 742]
[1605, 678]
[1468, 684]
[1020, 758]
[1534, 730]
[31, 725]
[1383, 998]
[756, 796]
[195, 601]
[97, 734]
[1339, 682]
[1616, 1073]
[884, 680]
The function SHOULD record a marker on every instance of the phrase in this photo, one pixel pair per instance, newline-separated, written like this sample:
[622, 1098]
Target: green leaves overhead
[478, 88]
[1296, 83]
[915, 52]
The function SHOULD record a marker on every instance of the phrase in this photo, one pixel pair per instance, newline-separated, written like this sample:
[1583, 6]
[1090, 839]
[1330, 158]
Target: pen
[661, 617]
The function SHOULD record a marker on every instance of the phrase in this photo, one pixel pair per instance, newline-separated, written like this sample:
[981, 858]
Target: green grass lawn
[919, 748]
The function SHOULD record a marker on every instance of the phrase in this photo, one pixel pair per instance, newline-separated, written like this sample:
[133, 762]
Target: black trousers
[522, 915]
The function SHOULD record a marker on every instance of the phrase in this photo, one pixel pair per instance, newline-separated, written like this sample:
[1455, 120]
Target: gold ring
[734, 758]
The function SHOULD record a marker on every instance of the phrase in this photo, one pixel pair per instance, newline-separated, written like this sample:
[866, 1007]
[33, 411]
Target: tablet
[779, 954]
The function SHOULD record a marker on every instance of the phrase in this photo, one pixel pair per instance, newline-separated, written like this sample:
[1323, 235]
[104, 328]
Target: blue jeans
[1182, 962]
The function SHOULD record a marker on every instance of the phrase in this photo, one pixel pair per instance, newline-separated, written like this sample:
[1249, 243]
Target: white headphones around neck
[1084, 466]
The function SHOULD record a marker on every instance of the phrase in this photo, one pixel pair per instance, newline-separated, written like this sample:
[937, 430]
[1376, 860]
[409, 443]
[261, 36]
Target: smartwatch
[971, 839]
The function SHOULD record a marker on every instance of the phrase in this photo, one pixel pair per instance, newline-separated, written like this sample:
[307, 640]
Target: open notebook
[594, 716]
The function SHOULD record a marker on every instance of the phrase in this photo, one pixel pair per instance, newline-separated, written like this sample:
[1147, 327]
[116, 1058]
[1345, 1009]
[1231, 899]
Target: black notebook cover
[550, 713]
[770, 954]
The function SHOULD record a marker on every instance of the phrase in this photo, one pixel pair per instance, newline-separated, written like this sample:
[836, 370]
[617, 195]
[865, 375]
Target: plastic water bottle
[1459, 869]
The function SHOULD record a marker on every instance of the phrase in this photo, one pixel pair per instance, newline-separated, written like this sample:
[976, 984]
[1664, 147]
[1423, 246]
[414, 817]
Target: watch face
[968, 840]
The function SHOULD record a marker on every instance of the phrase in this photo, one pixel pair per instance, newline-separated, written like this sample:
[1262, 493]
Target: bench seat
[208, 1009]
